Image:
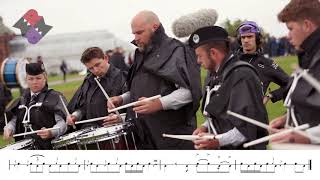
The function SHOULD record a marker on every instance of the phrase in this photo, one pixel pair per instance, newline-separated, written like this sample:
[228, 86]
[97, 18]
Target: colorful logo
[32, 26]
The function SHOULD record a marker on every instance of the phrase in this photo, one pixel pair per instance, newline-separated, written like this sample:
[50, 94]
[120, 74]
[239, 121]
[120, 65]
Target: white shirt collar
[31, 93]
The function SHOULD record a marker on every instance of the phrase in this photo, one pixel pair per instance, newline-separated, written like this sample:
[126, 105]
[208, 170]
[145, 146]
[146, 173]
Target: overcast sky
[115, 15]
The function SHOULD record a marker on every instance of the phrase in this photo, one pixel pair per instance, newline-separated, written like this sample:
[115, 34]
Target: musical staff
[41, 164]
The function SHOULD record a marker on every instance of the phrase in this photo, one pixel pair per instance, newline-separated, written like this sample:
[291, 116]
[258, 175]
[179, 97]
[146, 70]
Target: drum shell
[117, 137]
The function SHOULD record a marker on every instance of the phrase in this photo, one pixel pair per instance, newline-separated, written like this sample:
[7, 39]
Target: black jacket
[117, 59]
[90, 100]
[305, 98]
[240, 92]
[269, 72]
[39, 116]
[165, 63]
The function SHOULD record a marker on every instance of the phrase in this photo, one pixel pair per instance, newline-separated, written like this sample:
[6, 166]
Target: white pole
[191, 137]
[311, 80]
[66, 109]
[134, 103]
[34, 132]
[95, 119]
[108, 97]
[252, 121]
[5, 118]
[267, 138]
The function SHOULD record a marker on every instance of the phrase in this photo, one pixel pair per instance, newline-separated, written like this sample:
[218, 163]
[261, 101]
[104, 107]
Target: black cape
[305, 98]
[240, 92]
[163, 65]
[39, 116]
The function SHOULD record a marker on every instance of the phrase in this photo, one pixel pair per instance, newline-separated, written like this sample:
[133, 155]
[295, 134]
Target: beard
[143, 46]
[212, 66]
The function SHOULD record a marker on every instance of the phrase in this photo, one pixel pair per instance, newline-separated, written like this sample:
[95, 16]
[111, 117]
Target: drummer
[47, 110]
[89, 101]
[302, 20]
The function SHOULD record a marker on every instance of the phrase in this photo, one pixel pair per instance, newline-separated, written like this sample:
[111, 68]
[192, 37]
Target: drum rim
[32, 141]
[122, 127]
[2, 71]
[23, 85]
[64, 143]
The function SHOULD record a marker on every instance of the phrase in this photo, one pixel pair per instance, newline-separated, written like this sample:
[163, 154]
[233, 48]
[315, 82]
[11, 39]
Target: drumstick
[94, 119]
[34, 132]
[134, 103]
[5, 118]
[257, 123]
[107, 96]
[66, 109]
[191, 137]
[267, 138]
[252, 121]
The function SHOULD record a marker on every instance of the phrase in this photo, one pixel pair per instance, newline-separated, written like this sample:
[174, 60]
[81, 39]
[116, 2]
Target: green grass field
[274, 109]
[60, 77]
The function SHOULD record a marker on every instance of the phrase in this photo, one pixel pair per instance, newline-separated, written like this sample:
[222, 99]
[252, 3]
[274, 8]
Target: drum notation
[39, 165]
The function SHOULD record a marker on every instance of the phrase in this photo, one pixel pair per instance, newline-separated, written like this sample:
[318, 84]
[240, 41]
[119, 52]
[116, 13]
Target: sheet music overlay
[156, 164]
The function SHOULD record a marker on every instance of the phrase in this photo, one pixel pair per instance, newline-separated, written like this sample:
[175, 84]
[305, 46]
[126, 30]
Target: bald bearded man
[164, 66]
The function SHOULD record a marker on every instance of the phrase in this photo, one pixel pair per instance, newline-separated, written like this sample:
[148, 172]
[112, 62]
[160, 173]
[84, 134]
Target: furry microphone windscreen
[187, 24]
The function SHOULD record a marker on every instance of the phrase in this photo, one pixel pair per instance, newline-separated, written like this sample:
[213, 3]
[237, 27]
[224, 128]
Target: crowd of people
[237, 82]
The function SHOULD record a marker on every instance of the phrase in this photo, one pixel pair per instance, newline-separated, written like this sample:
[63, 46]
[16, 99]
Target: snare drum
[115, 137]
[69, 141]
[26, 144]
[13, 73]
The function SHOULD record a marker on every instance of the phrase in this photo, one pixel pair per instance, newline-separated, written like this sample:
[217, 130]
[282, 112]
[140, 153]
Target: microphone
[189, 23]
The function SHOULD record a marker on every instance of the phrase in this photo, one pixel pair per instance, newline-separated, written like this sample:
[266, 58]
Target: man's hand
[148, 107]
[116, 101]
[201, 129]
[7, 134]
[206, 144]
[278, 122]
[71, 119]
[45, 133]
[292, 138]
[111, 119]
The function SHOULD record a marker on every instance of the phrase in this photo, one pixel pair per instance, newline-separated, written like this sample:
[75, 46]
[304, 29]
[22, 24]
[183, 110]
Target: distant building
[5, 36]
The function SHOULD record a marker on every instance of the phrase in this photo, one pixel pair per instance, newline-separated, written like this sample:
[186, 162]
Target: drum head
[13, 72]
[21, 73]
[70, 138]
[102, 133]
